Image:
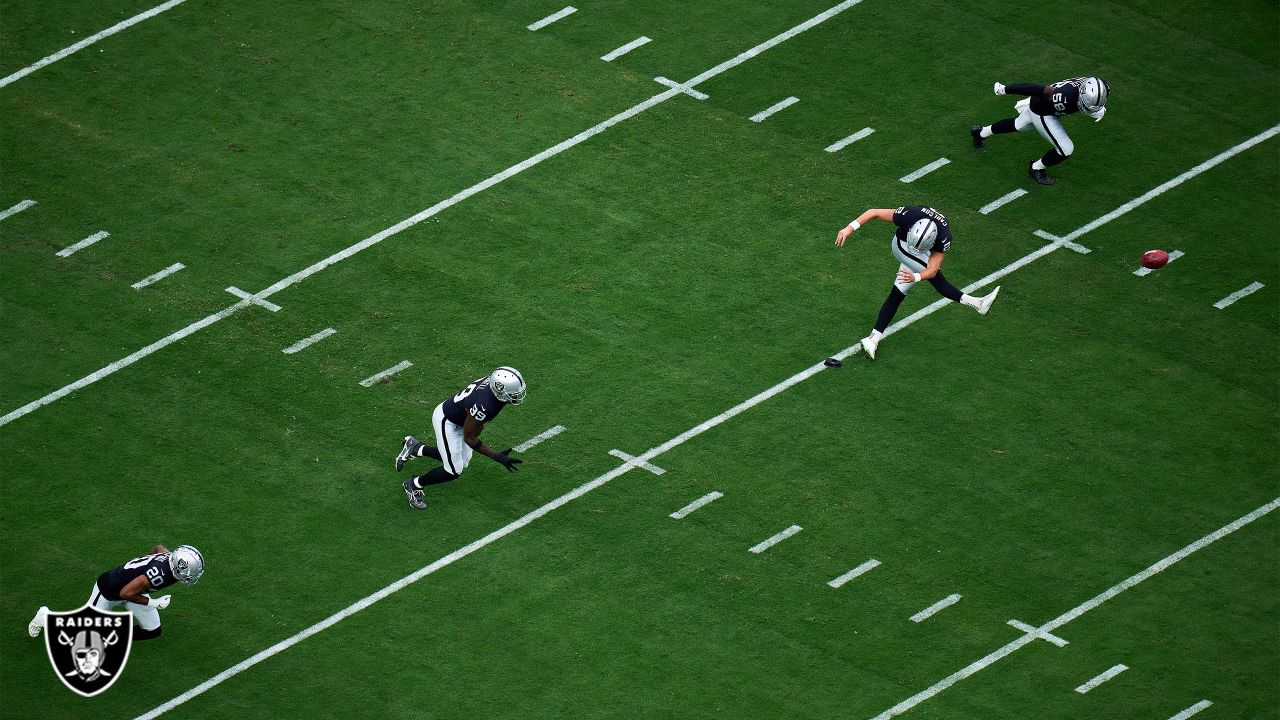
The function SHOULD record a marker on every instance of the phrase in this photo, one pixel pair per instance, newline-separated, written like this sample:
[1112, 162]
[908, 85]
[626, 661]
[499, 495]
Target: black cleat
[976, 133]
[416, 499]
[1040, 176]
[410, 449]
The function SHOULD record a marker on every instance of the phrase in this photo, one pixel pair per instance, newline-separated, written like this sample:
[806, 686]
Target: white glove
[161, 602]
[1097, 117]
[999, 88]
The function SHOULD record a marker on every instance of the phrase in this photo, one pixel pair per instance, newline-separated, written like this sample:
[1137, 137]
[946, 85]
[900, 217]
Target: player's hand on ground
[999, 88]
[841, 236]
[507, 461]
[161, 602]
[906, 276]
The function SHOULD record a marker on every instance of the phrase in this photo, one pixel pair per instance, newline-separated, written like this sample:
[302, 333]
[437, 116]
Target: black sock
[429, 451]
[944, 287]
[435, 477]
[141, 634]
[1004, 126]
[1053, 157]
[889, 309]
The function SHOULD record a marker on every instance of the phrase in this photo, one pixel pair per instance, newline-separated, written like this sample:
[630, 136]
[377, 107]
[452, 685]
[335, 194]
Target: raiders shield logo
[88, 647]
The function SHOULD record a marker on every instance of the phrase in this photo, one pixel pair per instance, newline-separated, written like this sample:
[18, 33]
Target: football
[1154, 259]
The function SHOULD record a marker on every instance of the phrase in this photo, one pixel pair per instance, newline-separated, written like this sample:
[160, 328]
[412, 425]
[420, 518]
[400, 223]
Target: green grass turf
[644, 281]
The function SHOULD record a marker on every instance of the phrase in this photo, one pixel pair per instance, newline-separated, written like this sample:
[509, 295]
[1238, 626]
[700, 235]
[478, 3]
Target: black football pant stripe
[1049, 134]
[902, 247]
[447, 455]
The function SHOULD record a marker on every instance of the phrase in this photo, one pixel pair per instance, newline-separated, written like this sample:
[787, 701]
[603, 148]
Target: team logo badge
[88, 647]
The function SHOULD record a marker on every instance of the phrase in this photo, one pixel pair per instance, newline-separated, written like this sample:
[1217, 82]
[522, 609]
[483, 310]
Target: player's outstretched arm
[471, 436]
[935, 264]
[133, 592]
[885, 214]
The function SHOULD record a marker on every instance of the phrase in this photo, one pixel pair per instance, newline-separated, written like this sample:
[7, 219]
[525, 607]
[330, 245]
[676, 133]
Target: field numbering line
[156, 277]
[840, 144]
[307, 342]
[780, 105]
[774, 540]
[930, 611]
[1193, 710]
[619, 52]
[378, 377]
[1039, 633]
[1144, 271]
[710, 497]
[864, 567]
[1075, 612]
[89, 41]
[68, 250]
[17, 208]
[581, 490]
[1105, 676]
[1002, 201]
[559, 14]
[917, 174]
[540, 437]
[1250, 289]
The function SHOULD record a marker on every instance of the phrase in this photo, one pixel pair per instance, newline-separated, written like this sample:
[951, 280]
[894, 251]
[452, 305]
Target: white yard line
[402, 365]
[1144, 271]
[156, 277]
[17, 208]
[864, 567]
[541, 511]
[541, 437]
[683, 512]
[559, 14]
[780, 105]
[1193, 710]
[682, 87]
[619, 52]
[774, 540]
[1084, 607]
[1001, 201]
[1250, 289]
[431, 211]
[68, 250]
[634, 461]
[89, 41]
[839, 145]
[1095, 682]
[254, 299]
[1063, 242]
[307, 342]
[916, 175]
[1038, 633]
[942, 604]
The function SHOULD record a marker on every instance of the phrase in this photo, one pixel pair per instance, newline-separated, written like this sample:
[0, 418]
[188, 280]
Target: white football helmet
[922, 234]
[507, 384]
[187, 564]
[1093, 95]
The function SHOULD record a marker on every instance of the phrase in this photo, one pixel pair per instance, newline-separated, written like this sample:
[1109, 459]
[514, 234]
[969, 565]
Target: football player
[1040, 109]
[920, 243]
[458, 422]
[130, 584]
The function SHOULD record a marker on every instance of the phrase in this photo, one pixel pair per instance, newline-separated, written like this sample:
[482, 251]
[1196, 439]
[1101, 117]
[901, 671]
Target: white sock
[970, 300]
[986, 131]
[1038, 165]
[876, 335]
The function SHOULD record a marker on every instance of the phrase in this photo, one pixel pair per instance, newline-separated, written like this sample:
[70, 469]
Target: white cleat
[985, 303]
[869, 346]
[37, 623]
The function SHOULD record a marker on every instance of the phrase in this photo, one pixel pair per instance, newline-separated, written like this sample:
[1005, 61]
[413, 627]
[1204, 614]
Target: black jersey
[155, 567]
[476, 400]
[907, 215]
[1060, 98]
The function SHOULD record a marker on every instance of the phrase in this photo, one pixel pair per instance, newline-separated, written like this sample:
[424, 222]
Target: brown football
[1155, 259]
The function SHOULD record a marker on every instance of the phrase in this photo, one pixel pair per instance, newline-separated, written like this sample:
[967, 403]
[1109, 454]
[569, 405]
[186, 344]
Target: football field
[226, 220]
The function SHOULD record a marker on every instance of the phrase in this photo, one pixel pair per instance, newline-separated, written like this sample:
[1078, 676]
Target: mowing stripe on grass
[916, 175]
[929, 612]
[524, 446]
[683, 512]
[1001, 201]
[1194, 709]
[839, 145]
[1084, 607]
[566, 12]
[780, 105]
[89, 41]
[68, 250]
[429, 212]
[17, 208]
[1095, 682]
[307, 342]
[156, 277]
[774, 540]
[1144, 271]
[871, 564]
[402, 365]
[1037, 632]
[619, 52]
[539, 512]
[1250, 289]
